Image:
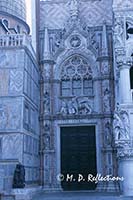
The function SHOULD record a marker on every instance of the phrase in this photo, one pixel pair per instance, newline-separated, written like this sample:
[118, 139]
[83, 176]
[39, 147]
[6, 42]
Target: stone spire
[74, 8]
[46, 52]
[104, 40]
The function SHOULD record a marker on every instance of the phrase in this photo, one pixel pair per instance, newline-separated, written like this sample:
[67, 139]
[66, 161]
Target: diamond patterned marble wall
[92, 12]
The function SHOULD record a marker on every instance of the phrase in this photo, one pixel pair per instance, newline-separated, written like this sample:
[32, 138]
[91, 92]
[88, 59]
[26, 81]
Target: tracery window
[76, 77]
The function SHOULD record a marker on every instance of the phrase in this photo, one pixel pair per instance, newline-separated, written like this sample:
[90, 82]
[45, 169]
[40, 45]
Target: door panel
[78, 156]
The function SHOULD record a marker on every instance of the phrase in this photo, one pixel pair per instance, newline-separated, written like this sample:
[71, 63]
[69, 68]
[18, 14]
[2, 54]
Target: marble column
[125, 160]
[125, 94]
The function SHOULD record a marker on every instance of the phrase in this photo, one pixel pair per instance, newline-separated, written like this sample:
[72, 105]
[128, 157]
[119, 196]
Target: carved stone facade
[81, 77]
[77, 85]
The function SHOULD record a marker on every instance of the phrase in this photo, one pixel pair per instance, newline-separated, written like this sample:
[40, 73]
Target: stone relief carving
[119, 32]
[77, 105]
[75, 41]
[4, 62]
[58, 37]
[9, 116]
[64, 108]
[124, 152]
[121, 127]
[47, 142]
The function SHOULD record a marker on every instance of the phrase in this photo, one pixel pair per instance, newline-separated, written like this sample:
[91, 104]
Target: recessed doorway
[78, 157]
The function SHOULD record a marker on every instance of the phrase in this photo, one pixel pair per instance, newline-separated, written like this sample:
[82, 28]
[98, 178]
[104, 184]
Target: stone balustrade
[16, 40]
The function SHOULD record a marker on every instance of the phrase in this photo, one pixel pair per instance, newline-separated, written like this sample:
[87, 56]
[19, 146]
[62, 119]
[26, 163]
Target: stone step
[79, 196]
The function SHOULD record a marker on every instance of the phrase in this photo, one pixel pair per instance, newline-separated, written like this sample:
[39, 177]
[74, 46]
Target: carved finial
[46, 53]
[74, 8]
[104, 40]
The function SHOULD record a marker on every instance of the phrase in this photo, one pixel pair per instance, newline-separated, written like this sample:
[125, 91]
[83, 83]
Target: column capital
[123, 64]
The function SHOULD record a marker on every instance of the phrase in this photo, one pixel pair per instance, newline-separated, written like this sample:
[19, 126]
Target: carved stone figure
[83, 106]
[72, 107]
[64, 108]
[47, 142]
[46, 102]
[78, 105]
[19, 177]
[121, 126]
[108, 136]
[118, 32]
[75, 41]
[46, 128]
[106, 100]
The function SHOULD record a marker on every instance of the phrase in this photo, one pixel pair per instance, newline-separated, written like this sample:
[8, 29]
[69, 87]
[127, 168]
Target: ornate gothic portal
[66, 111]
[78, 103]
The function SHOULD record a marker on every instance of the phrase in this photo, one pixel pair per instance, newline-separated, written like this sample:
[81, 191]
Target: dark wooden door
[78, 156]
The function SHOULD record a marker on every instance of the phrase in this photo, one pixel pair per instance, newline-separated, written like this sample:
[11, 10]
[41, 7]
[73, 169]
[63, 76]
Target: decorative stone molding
[124, 152]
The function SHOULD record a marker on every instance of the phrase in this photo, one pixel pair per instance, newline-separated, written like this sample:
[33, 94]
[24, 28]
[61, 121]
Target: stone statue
[118, 32]
[108, 136]
[47, 142]
[106, 100]
[46, 128]
[19, 176]
[121, 126]
[125, 119]
[46, 102]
